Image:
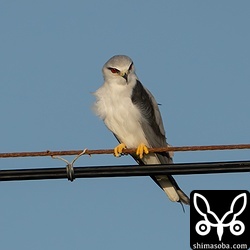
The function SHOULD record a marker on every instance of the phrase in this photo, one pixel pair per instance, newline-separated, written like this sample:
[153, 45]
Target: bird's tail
[171, 188]
[165, 182]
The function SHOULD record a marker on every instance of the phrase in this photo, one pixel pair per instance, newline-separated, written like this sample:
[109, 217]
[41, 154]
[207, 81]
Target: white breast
[120, 115]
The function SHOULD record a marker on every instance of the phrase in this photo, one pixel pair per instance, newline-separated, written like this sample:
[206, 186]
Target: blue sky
[194, 56]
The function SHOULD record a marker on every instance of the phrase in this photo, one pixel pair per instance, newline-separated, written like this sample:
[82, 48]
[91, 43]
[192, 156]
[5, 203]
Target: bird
[131, 113]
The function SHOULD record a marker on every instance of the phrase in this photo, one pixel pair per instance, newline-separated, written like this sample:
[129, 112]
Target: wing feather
[153, 129]
[152, 124]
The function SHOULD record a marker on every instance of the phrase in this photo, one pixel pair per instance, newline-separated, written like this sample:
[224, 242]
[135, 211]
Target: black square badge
[220, 219]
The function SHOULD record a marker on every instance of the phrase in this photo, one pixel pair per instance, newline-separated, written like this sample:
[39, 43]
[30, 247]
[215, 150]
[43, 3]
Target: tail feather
[166, 182]
[167, 187]
[171, 188]
[183, 197]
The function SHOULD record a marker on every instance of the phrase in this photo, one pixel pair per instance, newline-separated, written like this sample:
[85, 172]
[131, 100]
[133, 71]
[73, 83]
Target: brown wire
[125, 151]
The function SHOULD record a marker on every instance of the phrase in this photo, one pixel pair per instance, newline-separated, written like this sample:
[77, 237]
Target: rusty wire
[126, 151]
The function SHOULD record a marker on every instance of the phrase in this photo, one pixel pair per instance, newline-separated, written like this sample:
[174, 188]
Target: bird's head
[119, 69]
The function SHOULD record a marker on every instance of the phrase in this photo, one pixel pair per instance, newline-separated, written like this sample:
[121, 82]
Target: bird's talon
[118, 149]
[141, 150]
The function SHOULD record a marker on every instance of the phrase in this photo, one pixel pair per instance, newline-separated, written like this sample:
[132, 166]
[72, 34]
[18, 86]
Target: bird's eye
[130, 67]
[114, 70]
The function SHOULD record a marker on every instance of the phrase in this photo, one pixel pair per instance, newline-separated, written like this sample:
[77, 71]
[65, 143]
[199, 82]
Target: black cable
[125, 171]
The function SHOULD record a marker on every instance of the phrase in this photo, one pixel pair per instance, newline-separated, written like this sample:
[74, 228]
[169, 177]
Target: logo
[220, 219]
[203, 227]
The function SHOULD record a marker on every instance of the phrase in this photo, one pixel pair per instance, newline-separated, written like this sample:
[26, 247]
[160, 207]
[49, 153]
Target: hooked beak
[125, 76]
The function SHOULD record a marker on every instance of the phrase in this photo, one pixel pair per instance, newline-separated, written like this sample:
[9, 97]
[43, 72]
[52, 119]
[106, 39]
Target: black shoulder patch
[143, 101]
[141, 98]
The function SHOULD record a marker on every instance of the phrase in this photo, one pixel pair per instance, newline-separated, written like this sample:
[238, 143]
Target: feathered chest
[115, 107]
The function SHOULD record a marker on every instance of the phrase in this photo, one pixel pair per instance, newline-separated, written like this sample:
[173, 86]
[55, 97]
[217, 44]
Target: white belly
[120, 115]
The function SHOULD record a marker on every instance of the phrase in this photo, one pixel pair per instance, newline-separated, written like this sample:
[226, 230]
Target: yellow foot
[118, 149]
[142, 149]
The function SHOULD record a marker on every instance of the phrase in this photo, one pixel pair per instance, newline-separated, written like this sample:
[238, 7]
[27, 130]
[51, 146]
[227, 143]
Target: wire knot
[70, 172]
[70, 165]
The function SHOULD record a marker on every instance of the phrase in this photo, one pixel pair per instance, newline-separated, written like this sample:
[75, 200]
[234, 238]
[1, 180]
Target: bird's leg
[118, 149]
[141, 150]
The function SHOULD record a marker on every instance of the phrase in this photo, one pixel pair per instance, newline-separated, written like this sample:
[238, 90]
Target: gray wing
[152, 124]
[153, 129]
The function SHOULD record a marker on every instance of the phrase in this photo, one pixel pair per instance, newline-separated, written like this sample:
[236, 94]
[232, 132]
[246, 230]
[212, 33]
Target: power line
[71, 172]
[126, 151]
[124, 171]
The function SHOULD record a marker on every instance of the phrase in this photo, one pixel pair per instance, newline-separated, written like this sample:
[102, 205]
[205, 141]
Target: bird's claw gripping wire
[118, 149]
[141, 150]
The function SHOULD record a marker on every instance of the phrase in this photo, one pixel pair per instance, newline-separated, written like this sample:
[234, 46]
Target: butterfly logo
[229, 219]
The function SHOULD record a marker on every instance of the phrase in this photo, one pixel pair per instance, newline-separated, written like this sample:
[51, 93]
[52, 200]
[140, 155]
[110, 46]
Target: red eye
[114, 70]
